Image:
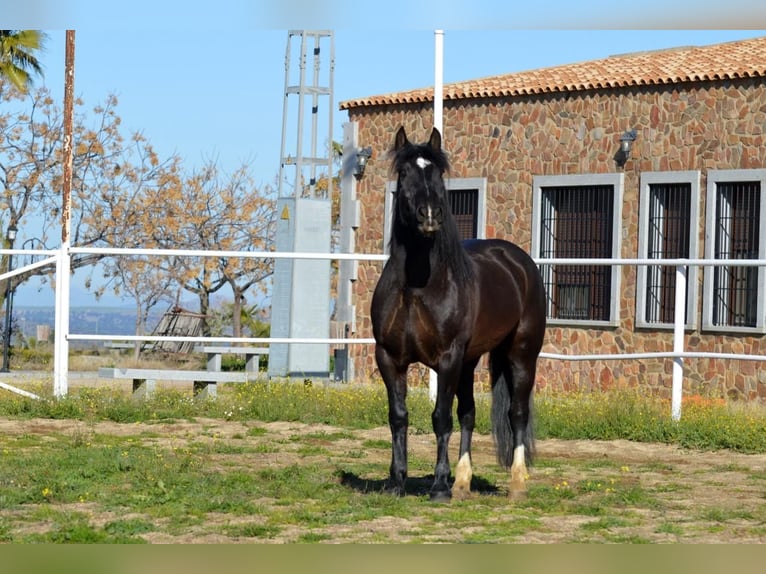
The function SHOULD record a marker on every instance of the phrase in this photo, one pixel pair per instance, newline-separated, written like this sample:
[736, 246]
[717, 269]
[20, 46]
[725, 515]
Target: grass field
[293, 463]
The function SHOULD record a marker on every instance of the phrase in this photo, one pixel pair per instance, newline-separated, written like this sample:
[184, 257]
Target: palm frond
[17, 56]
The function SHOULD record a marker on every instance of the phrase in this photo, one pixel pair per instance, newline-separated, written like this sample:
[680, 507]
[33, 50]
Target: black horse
[444, 304]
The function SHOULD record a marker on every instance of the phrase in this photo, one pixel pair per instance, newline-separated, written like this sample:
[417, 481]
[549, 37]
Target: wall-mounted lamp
[362, 155]
[626, 144]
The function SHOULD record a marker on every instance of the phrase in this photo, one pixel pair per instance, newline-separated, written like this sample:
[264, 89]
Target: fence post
[678, 342]
[61, 342]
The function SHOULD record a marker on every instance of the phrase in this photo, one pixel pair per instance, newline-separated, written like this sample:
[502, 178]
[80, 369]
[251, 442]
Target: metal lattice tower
[301, 296]
[320, 47]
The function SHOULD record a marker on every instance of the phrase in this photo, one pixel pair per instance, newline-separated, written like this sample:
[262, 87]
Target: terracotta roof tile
[732, 60]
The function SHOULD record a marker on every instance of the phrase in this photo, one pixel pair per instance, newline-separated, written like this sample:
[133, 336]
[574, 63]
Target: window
[578, 216]
[736, 229]
[468, 200]
[465, 207]
[668, 223]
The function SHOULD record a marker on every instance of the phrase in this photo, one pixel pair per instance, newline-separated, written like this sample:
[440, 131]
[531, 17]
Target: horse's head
[421, 197]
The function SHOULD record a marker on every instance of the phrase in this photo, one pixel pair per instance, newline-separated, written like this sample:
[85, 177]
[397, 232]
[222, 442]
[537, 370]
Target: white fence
[61, 257]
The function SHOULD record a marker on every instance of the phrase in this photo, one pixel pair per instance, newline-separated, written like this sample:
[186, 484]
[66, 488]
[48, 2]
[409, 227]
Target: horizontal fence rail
[652, 355]
[30, 267]
[61, 258]
[240, 254]
[248, 340]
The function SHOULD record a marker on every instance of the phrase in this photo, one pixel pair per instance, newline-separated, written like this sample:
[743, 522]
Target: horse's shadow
[414, 486]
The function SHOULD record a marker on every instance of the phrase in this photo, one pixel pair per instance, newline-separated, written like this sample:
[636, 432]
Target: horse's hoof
[394, 489]
[517, 493]
[441, 496]
[460, 492]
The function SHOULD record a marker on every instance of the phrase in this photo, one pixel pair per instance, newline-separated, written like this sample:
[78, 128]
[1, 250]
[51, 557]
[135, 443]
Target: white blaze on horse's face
[428, 221]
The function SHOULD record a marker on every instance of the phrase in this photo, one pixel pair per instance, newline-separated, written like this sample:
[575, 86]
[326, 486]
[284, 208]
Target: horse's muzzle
[430, 219]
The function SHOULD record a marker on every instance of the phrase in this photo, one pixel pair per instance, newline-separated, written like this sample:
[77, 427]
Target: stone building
[535, 158]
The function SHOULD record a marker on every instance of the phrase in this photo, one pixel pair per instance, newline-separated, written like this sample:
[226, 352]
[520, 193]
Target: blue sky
[218, 92]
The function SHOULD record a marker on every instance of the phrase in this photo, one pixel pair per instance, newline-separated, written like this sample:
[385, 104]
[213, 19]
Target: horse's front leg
[466, 415]
[442, 423]
[395, 379]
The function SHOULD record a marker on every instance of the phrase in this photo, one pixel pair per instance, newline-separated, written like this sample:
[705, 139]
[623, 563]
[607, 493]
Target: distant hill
[83, 320]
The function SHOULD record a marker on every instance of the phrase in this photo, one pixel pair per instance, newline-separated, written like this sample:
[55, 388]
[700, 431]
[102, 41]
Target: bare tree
[143, 280]
[110, 173]
[216, 212]
[124, 194]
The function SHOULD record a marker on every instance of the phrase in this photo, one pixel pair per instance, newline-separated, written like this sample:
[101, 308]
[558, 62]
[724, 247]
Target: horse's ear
[436, 140]
[401, 139]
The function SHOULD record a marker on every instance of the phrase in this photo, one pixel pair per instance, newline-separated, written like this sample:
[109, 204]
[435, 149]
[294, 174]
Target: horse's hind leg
[522, 382]
[512, 381]
[466, 414]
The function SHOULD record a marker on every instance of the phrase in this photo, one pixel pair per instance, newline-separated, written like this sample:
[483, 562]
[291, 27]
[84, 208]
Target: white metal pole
[439, 80]
[678, 343]
[61, 343]
[439, 125]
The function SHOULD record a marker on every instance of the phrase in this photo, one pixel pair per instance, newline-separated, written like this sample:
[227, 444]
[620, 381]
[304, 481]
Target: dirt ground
[688, 482]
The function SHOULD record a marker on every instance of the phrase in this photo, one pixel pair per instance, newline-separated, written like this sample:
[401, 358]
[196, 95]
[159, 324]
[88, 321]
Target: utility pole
[61, 345]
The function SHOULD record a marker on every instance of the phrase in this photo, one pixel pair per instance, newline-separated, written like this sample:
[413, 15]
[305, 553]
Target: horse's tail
[501, 424]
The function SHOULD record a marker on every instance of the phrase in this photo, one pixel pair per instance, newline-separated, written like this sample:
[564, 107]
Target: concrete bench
[145, 380]
[215, 352]
[125, 346]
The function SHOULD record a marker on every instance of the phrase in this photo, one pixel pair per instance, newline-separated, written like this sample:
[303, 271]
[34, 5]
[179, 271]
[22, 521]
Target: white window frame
[714, 177]
[459, 183]
[642, 274]
[617, 181]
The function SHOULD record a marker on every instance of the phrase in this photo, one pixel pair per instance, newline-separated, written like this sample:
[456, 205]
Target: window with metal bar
[668, 237]
[668, 213]
[465, 204]
[736, 236]
[577, 222]
[735, 229]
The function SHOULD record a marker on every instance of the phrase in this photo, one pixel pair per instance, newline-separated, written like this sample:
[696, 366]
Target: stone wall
[692, 126]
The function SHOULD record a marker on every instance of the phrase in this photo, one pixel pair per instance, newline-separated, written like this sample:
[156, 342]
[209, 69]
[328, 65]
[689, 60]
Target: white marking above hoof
[463, 475]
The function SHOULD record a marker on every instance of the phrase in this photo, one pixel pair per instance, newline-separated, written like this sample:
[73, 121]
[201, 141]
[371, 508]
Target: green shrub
[632, 415]
[617, 414]
[32, 357]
